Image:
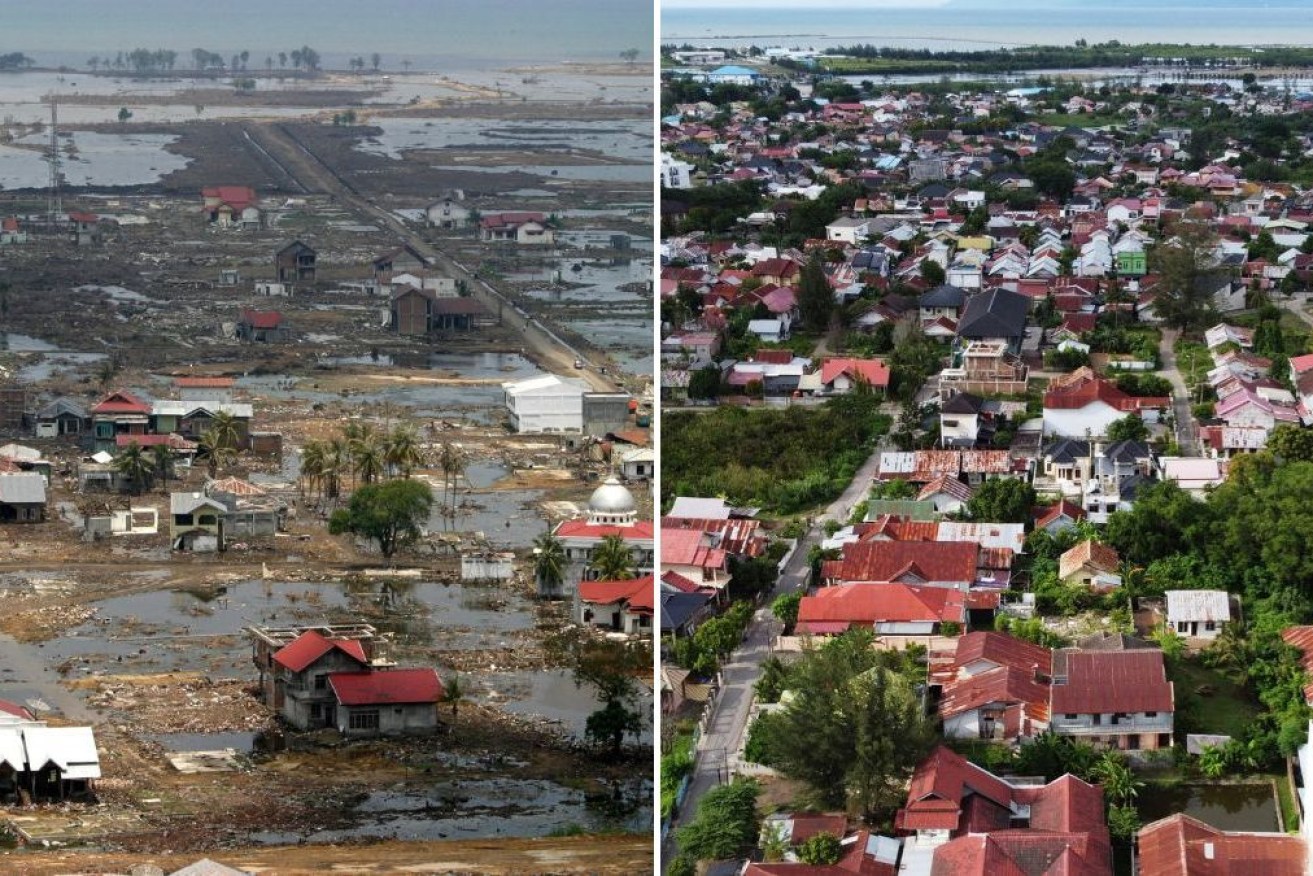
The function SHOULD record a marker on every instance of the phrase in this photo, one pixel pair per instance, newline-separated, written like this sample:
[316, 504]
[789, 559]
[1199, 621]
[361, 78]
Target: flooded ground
[98, 159]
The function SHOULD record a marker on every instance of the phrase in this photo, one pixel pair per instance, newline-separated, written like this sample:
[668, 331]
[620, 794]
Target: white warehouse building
[546, 404]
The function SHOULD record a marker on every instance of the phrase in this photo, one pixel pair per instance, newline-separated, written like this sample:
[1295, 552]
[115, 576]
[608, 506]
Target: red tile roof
[834, 609]
[637, 592]
[1105, 682]
[640, 531]
[1089, 553]
[386, 687]
[1179, 845]
[237, 197]
[510, 220]
[939, 787]
[1048, 516]
[1081, 388]
[308, 647]
[807, 826]
[679, 582]
[1006, 684]
[873, 371]
[888, 560]
[16, 710]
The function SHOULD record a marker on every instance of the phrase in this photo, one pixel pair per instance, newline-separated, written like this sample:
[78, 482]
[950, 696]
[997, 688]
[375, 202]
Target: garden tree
[1212, 761]
[1120, 786]
[1172, 645]
[609, 725]
[753, 576]
[1188, 275]
[1163, 518]
[1002, 500]
[775, 842]
[612, 559]
[1290, 444]
[914, 358]
[704, 382]
[786, 608]
[1123, 822]
[1050, 755]
[549, 562]
[1128, 428]
[821, 849]
[725, 823]
[389, 513]
[816, 302]
[855, 729]
[932, 273]
[135, 466]
[770, 685]
[1268, 339]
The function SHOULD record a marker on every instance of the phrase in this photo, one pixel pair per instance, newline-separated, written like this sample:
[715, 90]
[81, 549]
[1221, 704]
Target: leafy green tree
[774, 843]
[1002, 500]
[453, 693]
[1291, 443]
[785, 608]
[609, 725]
[1123, 822]
[932, 273]
[1128, 428]
[704, 382]
[725, 822]
[612, 669]
[612, 559]
[816, 302]
[1188, 275]
[389, 513]
[820, 849]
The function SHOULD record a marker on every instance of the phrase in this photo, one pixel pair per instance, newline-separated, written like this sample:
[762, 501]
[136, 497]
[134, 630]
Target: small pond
[1248, 807]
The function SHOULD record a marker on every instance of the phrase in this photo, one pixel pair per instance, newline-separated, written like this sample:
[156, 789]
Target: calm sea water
[431, 34]
[967, 24]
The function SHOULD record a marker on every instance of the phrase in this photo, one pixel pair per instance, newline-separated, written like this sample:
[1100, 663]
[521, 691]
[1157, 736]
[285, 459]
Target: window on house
[363, 719]
[1151, 714]
[1098, 719]
[1210, 626]
[321, 682]
[1071, 716]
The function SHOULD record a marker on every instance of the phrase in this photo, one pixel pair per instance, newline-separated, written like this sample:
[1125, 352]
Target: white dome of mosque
[612, 498]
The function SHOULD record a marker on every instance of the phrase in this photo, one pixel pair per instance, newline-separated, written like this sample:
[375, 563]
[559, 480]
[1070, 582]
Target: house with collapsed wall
[339, 676]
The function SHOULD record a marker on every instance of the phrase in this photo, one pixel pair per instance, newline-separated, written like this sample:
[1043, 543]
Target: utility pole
[54, 203]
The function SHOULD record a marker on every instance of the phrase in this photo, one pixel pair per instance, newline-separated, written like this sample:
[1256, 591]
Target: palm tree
[401, 450]
[1119, 784]
[133, 465]
[337, 461]
[613, 560]
[451, 459]
[454, 694]
[367, 459]
[216, 453]
[312, 466]
[549, 562]
[162, 458]
[225, 429]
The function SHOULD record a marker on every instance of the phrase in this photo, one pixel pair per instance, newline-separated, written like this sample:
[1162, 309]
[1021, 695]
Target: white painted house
[1198, 614]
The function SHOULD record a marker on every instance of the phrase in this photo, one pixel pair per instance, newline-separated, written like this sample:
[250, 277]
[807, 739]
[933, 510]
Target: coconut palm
[215, 451]
[134, 465]
[312, 466]
[613, 560]
[453, 694]
[226, 430]
[367, 458]
[401, 450]
[337, 461]
[161, 457]
[451, 459]
[549, 562]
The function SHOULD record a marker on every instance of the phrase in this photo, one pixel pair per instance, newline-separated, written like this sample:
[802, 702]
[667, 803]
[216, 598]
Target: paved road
[276, 142]
[1187, 435]
[729, 716]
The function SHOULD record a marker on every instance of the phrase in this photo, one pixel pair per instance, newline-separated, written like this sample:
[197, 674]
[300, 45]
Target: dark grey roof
[943, 295]
[1067, 450]
[963, 403]
[995, 314]
[677, 608]
[60, 406]
[1127, 451]
[1131, 485]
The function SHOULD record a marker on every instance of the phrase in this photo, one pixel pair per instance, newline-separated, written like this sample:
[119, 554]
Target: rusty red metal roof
[937, 561]
[637, 592]
[1179, 845]
[867, 604]
[1106, 682]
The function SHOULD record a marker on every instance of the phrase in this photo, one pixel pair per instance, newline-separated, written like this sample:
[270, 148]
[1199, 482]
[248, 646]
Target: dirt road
[626, 854]
[276, 142]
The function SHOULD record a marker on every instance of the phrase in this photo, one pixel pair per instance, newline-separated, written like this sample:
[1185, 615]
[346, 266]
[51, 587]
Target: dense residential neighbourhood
[1010, 384]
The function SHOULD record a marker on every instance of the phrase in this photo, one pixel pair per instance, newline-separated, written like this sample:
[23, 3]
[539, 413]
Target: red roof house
[891, 609]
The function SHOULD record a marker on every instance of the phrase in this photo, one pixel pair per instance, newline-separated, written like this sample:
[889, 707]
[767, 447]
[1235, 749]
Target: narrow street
[1187, 435]
[729, 716]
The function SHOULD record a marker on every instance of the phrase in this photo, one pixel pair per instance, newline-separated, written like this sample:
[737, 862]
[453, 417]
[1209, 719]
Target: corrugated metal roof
[1198, 605]
[393, 686]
